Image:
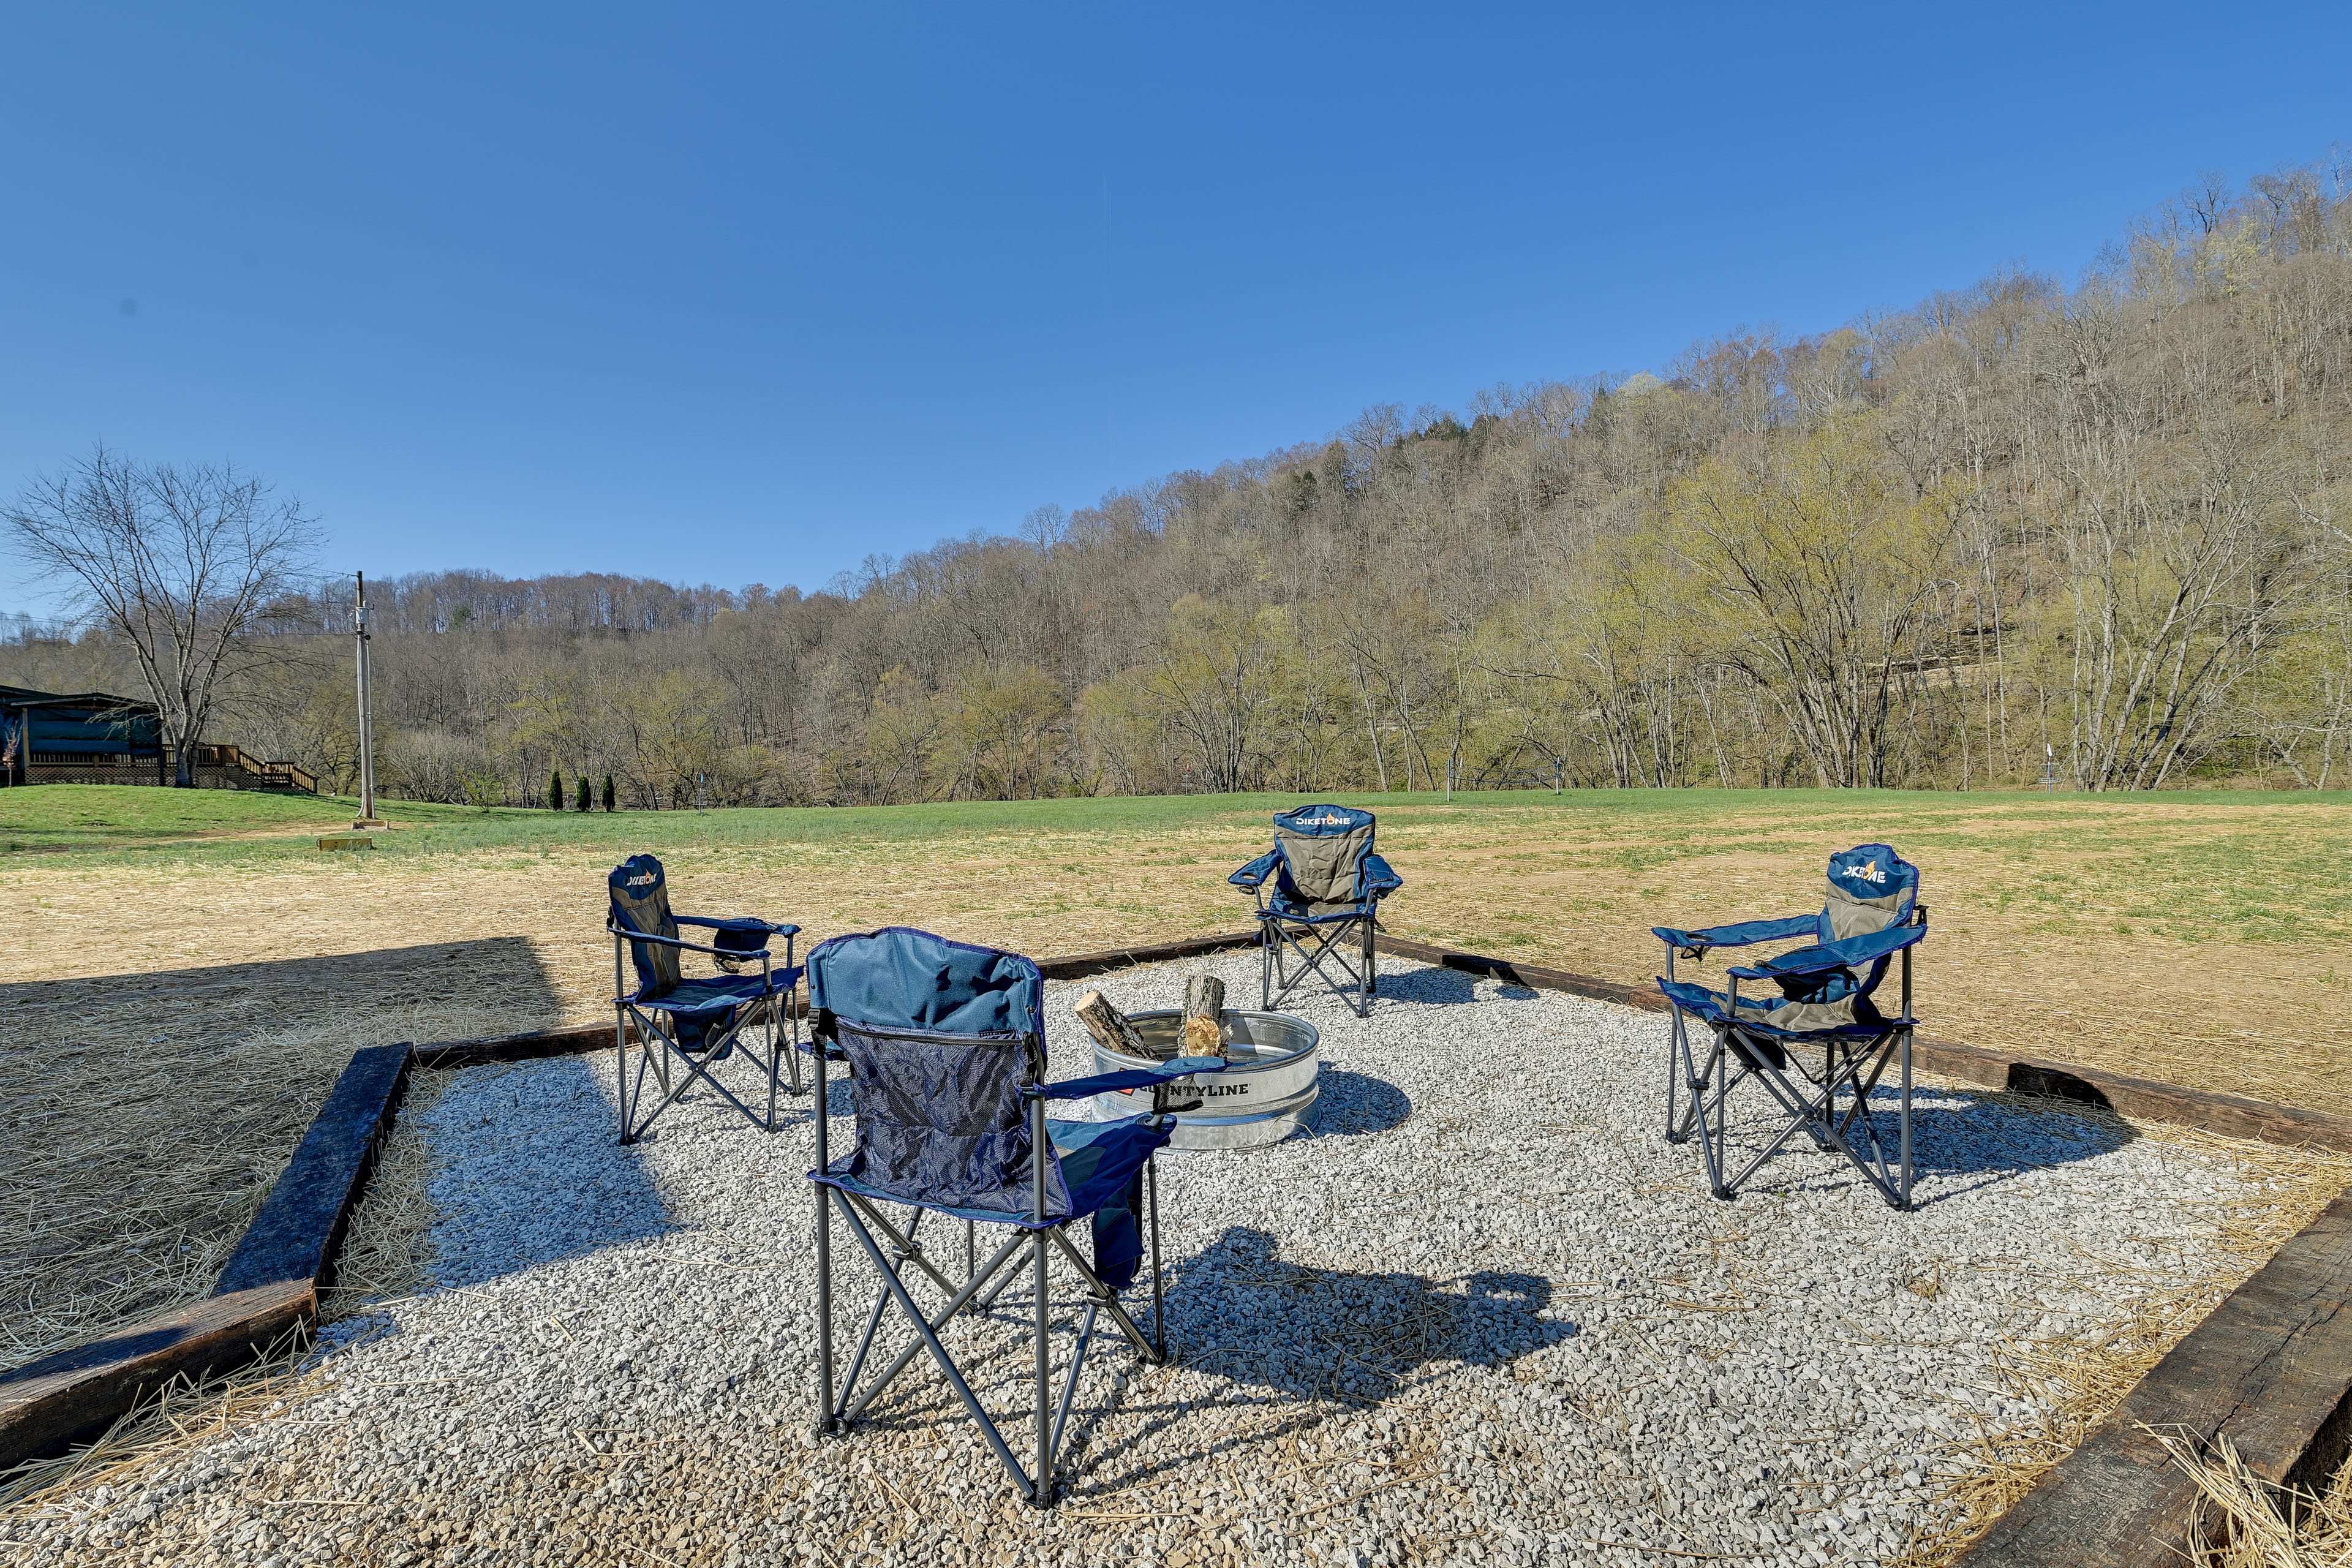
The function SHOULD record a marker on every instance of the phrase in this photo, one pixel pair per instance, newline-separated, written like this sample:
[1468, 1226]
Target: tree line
[2098, 533]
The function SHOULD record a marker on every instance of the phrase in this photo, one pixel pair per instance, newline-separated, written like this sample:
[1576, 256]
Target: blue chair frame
[945, 1043]
[690, 1024]
[1310, 911]
[1825, 1014]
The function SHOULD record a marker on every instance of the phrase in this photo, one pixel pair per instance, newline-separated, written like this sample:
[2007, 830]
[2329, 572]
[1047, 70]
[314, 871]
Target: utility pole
[367, 711]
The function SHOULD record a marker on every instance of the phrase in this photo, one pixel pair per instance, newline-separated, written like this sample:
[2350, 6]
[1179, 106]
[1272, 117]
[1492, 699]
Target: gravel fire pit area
[1486, 1314]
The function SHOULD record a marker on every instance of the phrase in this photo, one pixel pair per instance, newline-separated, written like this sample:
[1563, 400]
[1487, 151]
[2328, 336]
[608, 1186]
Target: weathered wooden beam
[269, 1287]
[70, 1397]
[300, 1224]
[1078, 966]
[2269, 1369]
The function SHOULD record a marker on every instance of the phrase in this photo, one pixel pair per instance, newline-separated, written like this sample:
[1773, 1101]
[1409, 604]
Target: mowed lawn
[190, 970]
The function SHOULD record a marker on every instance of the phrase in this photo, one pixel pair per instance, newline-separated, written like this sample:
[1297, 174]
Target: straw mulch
[387, 1250]
[2080, 1376]
[2248, 1523]
[387, 1253]
[150, 1114]
[181, 1417]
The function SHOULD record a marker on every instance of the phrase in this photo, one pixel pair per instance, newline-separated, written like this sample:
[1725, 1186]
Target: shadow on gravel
[1313, 1338]
[1240, 1310]
[1955, 1135]
[1354, 1103]
[533, 1171]
[1444, 987]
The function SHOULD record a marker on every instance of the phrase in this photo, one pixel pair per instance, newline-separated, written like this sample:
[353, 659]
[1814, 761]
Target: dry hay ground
[2193, 940]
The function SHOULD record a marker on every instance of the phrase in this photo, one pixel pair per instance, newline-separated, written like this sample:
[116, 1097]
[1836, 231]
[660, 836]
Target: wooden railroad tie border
[2270, 1369]
[269, 1287]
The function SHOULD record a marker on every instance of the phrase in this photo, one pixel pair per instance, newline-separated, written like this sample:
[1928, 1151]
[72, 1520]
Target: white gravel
[1487, 1314]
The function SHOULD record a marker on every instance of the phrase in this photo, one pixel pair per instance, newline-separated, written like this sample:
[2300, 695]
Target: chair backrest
[941, 1036]
[1323, 849]
[640, 891]
[1871, 888]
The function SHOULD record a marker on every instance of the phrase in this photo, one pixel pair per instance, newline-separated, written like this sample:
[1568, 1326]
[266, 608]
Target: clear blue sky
[743, 294]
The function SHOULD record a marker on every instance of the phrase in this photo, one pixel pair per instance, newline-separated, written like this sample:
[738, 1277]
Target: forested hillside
[2111, 521]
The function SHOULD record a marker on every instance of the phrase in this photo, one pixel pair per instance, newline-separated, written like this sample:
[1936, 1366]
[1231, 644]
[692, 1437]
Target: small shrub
[555, 791]
[608, 792]
[583, 802]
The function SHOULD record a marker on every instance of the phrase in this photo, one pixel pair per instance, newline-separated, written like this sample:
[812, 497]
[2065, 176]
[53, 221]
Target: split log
[1110, 1028]
[1204, 1006]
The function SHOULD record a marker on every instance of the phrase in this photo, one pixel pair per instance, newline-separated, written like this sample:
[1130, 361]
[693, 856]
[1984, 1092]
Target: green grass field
[2254, 866]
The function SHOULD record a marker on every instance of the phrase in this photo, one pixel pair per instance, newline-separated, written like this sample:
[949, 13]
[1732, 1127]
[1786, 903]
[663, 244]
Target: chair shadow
[1353, 1103]
[1445, 987]
[1991, 1138]
[535, 1172]
[1296, 1333]
[1305, 1332]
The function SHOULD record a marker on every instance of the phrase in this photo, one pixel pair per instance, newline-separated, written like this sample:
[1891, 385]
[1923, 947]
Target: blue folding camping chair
[946, 1050]
[1826, 1014]
[683, 1027]
[1327, 886]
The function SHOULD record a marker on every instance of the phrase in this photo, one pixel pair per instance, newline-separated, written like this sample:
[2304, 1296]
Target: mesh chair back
[941, 1038]
[1871, 888]
[641, 903]
[1323, 849]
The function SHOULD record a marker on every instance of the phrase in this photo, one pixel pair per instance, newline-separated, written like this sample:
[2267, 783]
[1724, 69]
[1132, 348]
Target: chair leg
[621, 1067]
[825, 1410]
[792, 1043]
[1042, 1491]
[1158, 1294]
[930, 1340]
[1904, 1112]
[775, 1062]
[1321, 944]
[1678, 1074]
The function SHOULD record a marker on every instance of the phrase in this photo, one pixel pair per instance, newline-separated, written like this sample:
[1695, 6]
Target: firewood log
[1110, 1028]
[1204, 1005]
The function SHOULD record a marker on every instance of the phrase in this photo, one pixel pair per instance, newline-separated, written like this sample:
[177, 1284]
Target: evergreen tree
[555, 791]
[608, 792]
[582, 801]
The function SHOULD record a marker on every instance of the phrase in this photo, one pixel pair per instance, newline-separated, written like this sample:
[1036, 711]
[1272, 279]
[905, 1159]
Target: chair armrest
[1140, 1078]
[1741, 934]
[1379, 878]
[1853, 951]
[1256, 871]
[682, 943]
[737, 923]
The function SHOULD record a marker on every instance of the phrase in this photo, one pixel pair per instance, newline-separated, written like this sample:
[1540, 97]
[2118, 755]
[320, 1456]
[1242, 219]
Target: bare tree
[177, 563]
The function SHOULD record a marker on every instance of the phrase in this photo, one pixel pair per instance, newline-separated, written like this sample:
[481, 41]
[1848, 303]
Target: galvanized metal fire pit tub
[1269, 1093]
